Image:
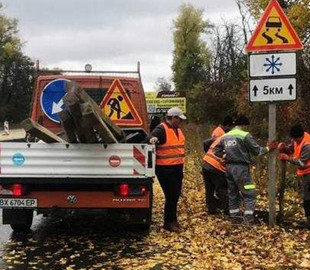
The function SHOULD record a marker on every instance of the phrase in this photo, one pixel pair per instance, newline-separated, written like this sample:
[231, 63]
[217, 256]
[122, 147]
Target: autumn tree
[191, 57]
[16, 73]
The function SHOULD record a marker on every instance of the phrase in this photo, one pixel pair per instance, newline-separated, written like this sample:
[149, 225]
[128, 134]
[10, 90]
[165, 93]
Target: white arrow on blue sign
[52, 99]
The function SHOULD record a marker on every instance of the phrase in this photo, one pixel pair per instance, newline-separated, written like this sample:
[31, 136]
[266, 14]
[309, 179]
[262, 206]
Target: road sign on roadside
[272, 64]
[282, 89]
[51, 99]
[162, 101]
[274, 32]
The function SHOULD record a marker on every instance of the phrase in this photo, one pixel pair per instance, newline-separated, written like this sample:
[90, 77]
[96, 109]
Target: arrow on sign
[57, 106]
[291, 88]
[255, 89]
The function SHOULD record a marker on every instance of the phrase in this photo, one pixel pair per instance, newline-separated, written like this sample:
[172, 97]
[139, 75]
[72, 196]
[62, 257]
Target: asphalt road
[76, 242]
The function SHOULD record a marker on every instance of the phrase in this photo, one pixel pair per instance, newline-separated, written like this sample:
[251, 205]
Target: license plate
[18, 203]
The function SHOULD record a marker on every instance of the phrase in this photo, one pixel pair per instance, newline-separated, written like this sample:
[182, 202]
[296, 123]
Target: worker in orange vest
[223, 128]
[213, 171]
[300, 150]
[170, 155]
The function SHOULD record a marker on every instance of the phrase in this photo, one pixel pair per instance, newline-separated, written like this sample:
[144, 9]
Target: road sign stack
[272, 74]
[272, 71]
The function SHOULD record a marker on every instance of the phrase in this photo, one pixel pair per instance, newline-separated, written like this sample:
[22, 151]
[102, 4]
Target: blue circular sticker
[18, 159]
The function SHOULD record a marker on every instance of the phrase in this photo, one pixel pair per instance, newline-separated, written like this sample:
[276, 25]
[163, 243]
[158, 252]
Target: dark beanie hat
[296, 131]
[242, 121]
[228, 121]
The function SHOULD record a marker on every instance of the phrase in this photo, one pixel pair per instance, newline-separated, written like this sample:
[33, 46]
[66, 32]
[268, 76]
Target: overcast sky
[109, 34]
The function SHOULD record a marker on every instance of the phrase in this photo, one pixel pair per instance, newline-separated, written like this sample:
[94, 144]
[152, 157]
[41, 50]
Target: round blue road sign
[52, 99]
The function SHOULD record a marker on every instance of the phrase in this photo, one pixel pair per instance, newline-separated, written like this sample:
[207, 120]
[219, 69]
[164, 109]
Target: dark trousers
[215, 181]
[306, 194]
[170, 179]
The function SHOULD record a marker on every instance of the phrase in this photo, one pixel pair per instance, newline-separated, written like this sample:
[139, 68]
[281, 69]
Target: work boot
[249, 219]
[171, 227]
[177, 224]
[236, 218]
[213, 211]
[305, 224]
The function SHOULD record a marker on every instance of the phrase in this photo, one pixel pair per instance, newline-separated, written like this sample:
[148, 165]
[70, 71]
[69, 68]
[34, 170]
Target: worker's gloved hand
[153, 140]
[281, 147]
[272, 145]
[284, 157]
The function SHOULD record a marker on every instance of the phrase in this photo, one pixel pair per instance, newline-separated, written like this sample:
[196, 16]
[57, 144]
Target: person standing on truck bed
[170, 155]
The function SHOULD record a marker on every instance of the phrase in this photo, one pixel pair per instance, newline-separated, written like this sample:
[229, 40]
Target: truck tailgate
[40, 160]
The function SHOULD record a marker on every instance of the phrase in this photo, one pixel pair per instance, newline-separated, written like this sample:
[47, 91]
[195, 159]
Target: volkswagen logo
[72, 199]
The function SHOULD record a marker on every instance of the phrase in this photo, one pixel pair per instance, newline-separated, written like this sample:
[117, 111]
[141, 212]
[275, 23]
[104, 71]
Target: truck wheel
[26, 225]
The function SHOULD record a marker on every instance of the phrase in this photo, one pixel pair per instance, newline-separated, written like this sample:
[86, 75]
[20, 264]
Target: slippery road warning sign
[118, 106]
[274, 32]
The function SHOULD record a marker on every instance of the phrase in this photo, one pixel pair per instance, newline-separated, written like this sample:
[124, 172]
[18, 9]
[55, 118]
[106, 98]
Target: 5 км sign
[273, 90]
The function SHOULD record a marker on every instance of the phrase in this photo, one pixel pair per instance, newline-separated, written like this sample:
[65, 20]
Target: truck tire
[25, 225]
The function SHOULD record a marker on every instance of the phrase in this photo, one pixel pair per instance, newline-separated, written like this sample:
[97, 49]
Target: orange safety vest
[297, 154]
[214, 160]
[218, 132]
[172, 151]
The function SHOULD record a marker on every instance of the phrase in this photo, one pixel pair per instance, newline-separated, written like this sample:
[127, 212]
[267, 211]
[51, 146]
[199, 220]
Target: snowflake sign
[272, 64]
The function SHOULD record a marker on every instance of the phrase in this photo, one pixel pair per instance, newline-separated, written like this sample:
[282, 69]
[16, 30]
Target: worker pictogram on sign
[274, 32]
[118, 106]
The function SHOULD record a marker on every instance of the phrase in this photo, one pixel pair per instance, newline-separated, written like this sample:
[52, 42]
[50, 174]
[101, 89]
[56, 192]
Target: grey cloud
[108, 33]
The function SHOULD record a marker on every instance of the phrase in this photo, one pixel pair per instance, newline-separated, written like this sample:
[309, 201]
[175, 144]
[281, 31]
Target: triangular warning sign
[118, 106]
[274, 32]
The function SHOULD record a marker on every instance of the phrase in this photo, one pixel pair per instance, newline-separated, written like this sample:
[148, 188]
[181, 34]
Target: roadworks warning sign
[117, 105]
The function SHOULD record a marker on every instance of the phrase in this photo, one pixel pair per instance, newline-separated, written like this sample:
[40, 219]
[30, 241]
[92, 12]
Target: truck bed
[42, 160]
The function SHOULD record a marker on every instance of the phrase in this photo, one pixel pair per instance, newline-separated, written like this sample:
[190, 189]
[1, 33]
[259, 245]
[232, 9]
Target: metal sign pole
[272, 171]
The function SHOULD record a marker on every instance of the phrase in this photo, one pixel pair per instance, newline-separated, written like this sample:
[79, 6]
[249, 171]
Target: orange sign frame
[251, 47]
[117, 85]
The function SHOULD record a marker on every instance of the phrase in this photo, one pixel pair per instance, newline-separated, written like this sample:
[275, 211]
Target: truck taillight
[130, 190]
[17, 189]
[124, 190]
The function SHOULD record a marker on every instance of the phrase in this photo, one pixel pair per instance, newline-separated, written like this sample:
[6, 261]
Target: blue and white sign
[272, 64]
[18, 159]
[280, 89]
[52, 99]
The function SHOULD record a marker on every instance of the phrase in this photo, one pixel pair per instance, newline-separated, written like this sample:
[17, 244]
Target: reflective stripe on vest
[214, 160]
[172, 151]
[297, 154]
